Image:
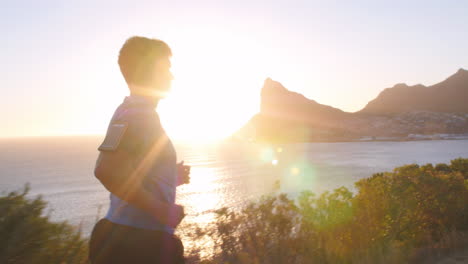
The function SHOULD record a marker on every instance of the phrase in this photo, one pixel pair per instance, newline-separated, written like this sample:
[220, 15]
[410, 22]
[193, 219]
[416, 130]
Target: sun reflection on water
[200, 198]
[202, 195]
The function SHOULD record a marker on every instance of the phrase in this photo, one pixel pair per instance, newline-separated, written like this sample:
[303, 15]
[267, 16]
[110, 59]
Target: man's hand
[183, 173]
[176, 214]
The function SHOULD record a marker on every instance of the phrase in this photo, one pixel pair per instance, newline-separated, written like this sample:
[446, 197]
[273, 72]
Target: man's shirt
[146, 142]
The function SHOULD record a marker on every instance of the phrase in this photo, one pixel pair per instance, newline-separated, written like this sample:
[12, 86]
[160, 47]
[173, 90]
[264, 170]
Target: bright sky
[60, 74]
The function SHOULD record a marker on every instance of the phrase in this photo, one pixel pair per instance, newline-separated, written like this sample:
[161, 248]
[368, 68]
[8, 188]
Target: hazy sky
[60, 74]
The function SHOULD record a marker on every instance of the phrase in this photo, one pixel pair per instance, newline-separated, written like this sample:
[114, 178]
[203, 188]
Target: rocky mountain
[398, 113]
[449, 96]
[277, 101]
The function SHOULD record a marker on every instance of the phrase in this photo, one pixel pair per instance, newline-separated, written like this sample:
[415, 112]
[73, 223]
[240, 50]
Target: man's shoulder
[141, 121]
[132, 127]
[134, 113]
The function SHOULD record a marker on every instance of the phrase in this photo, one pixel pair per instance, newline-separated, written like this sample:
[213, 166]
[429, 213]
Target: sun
[201, 114]
[215, 92]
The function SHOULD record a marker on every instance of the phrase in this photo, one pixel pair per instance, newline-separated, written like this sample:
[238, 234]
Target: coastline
[408, 138]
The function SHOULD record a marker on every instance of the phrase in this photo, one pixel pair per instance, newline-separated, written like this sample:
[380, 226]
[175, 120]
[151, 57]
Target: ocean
[227, 173]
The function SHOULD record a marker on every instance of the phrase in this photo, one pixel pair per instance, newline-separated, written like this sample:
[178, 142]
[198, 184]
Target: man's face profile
[162, 76]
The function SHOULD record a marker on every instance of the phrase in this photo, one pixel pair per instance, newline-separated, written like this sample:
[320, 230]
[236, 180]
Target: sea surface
[223, 174]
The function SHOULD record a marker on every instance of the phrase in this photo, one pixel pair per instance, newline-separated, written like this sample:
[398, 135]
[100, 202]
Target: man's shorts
[114, 243]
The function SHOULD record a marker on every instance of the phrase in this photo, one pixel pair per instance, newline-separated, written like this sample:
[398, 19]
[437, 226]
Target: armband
[114, 136]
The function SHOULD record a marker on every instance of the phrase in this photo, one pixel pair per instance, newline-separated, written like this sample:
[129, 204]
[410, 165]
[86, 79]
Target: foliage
[28, 236]
[395, 217]
[412, 214]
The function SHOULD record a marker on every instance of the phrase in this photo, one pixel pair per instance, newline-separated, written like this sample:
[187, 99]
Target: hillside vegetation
[415, 214]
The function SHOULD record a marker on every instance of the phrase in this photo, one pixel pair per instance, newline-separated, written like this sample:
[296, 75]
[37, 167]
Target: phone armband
[114, 136]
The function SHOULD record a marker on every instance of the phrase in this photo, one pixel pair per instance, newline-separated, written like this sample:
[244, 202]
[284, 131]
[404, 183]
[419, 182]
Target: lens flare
[295, 170]
[267, 155]
[298, 176]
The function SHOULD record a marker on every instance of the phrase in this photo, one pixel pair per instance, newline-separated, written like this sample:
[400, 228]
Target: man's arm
[183, 173]
[116, 171]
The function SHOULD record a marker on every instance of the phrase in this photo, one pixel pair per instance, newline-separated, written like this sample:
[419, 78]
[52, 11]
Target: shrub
[28, 236]
[460, 165]
[393, 218]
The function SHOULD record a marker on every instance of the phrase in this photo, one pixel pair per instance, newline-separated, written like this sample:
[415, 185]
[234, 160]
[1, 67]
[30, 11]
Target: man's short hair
[137, 58]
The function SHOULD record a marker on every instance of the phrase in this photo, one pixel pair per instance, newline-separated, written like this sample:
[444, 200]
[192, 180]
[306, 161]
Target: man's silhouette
[137, 164]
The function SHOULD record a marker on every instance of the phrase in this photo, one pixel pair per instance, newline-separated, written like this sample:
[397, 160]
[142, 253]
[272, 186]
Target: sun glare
[205, 107]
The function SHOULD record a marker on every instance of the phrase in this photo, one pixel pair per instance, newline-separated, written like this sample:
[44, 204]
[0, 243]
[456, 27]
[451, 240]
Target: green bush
[28, 236]
[460, 165]
[402, 216]
[410, 215]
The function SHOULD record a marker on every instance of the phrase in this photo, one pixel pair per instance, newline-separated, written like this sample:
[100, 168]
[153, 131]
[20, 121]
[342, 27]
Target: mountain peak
[272, 88]
[461, 72]
[400, 85]
[446, 96]
[267, 80]
[460, 76]
[269, 84]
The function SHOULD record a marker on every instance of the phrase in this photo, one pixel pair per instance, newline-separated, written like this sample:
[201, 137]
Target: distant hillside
[398, 113]
[449, 96]
[278, 101]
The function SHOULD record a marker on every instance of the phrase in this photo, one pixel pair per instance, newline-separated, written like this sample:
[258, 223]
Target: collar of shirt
[135, 99]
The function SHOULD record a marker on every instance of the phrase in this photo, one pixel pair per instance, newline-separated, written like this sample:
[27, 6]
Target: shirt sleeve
[134, 134]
